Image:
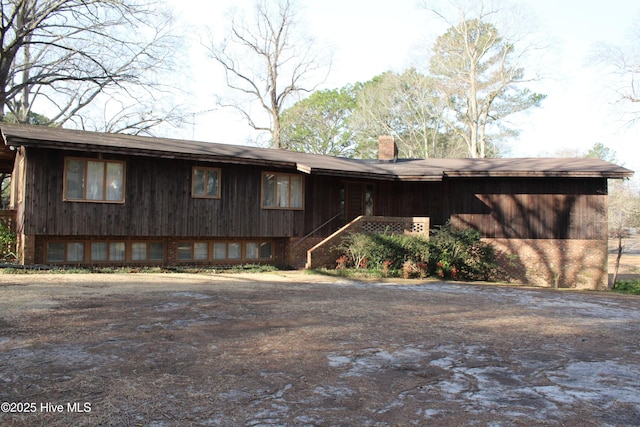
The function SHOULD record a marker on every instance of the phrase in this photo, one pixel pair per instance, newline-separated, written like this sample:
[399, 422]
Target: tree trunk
[617, 265]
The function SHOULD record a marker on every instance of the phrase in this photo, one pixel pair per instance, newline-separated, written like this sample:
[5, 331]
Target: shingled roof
[402, 169]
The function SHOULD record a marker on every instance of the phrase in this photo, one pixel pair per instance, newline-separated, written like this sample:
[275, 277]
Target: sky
[373, 36]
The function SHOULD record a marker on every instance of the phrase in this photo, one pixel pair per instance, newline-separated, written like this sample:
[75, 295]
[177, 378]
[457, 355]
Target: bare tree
[624, 213]
[58, 58]
[622, 64]
[267, 60]
[406, 106]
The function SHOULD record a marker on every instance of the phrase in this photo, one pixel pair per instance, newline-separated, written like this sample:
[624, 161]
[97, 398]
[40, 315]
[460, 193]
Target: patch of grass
[241, 268]
[244, 268]
[349, 273]
[355, 273]
[628, 287]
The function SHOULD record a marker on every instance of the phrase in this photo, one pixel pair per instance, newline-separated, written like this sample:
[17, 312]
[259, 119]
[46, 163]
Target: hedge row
[449, 253]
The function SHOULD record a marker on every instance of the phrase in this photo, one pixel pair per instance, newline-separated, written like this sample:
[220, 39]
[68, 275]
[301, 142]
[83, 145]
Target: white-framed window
[282, 191]
[94, 180]
[205, 182]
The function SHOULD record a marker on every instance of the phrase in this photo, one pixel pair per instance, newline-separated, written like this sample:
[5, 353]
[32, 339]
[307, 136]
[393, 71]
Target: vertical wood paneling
[159, 203]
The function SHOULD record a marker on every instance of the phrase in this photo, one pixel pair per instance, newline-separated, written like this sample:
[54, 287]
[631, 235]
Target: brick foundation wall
[297, 252]
[27, 249]
[578, 264]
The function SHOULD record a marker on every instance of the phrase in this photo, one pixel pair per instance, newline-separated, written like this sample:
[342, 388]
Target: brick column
[26, 249]
[172, 252]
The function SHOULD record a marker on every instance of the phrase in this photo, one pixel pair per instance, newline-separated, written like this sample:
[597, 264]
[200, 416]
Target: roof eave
[361, 174]
[94, 148]
[541, 174]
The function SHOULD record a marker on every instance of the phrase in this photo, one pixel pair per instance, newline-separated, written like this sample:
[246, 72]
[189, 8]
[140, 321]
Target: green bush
[460, 254]
[7, 243]
[382, 251]
[628, 287]
[355, 247]
[398, 248]
[449, 253]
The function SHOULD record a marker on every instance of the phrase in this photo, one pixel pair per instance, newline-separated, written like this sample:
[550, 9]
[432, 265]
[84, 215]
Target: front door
[358, 200]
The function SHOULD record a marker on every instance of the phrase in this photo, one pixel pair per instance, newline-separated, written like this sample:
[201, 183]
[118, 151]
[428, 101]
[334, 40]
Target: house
[91, 198]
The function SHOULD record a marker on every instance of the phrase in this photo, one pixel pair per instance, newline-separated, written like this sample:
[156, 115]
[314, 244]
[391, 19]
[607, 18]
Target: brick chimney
[387, 149]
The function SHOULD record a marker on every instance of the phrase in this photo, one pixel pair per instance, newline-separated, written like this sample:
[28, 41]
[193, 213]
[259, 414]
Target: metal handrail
[316, 229]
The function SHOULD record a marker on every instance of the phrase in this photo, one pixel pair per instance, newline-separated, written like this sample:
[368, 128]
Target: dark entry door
[358, 200]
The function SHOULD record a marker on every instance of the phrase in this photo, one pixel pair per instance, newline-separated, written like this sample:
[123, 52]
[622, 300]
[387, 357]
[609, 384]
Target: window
[206, 183]
[225, 251]
[89, 180]
[107, 251]
[220, 250]
[99, 251]
[282, 191]
[136, 252]
[234, 250]
[55, 252]
[147, 251]
[252, 250]
[197, 251]
[65, 252]
[117, 251]
[266, 250]
[257, 250]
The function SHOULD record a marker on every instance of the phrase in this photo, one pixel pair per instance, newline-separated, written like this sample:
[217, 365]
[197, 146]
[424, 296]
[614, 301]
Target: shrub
[7, 243]
[451, 253]
[628, 287]
[355, 247]
[460, 253]
[384, 252]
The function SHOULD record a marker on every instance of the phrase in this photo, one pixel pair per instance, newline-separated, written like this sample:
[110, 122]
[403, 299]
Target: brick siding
[578, 264]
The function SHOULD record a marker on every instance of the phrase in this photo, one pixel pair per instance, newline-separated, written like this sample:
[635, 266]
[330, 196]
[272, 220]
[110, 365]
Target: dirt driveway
[295, 349]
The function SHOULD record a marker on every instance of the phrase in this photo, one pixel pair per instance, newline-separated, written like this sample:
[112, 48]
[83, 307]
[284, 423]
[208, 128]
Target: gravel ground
[307, 350]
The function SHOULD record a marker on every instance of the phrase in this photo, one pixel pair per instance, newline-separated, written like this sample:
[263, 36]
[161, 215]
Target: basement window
[225, 251]
[65, 252]
[107, 251]
[259, 250]
[193, 251]
[93, 180]
[147, 251]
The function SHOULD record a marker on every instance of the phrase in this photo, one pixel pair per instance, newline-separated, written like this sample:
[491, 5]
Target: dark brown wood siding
[535, 208]
[158, 202]
[322, 213]
[424, 199]
[524, 208]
